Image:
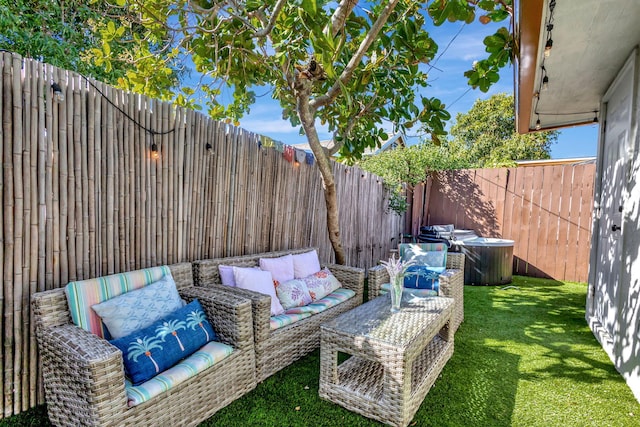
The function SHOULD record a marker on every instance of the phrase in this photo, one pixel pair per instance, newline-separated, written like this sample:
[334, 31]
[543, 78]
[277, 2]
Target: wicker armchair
[84, 378]
[276, 349]
[451, 284]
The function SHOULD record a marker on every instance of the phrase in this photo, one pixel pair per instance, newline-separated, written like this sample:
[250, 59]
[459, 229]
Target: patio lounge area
[542, 367]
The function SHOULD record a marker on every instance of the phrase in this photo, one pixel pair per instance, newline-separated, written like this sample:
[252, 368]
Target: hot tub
[488, 260]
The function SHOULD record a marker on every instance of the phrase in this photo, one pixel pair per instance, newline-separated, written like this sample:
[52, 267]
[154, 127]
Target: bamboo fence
[82, 197]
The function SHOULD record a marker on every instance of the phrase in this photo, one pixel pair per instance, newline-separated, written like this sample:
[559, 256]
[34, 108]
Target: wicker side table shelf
[396, 357]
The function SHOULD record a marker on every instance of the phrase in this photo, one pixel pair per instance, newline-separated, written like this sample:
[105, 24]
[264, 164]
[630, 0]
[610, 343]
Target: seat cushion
[420, 293]
[83, 294]
[286, 318]
[161, 345]
[334, 298]
[207, 356]
[137, 309]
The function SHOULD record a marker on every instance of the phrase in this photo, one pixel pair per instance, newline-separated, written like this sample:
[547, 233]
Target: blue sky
[447, 82]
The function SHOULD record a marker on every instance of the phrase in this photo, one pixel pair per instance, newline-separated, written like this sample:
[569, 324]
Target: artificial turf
[524, 356]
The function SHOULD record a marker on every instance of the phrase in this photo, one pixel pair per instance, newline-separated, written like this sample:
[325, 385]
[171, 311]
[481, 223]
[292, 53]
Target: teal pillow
[161, 345]
[428, 258]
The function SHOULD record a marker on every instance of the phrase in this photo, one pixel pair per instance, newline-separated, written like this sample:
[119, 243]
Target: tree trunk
[303, 91]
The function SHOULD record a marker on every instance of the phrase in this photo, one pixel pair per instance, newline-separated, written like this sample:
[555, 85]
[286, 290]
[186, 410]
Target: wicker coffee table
[396, 357]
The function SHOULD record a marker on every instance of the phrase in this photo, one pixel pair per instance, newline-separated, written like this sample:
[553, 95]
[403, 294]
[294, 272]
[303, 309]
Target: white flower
[396, 267]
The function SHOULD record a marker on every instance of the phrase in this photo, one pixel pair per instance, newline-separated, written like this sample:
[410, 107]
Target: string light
[595, 117]
[58, 95]
[209, 148]
[547, 48]
[538, 125]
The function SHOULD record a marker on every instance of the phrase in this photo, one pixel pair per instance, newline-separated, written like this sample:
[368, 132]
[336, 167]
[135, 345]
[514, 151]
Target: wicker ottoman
[396, 357]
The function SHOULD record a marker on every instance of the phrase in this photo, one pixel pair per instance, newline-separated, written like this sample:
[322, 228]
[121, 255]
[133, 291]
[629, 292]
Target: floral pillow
[293, 293]
[321, 284]
[161, 345]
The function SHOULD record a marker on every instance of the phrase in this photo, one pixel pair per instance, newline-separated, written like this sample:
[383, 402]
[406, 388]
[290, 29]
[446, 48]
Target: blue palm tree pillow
[428, 262]
[161, 345]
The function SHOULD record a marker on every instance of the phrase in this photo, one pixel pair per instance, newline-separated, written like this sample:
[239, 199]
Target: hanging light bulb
[595, 117]
[155, 154]
[547, 48]
[538, 125]
[545, 83]
[58, 96]
[209, 148]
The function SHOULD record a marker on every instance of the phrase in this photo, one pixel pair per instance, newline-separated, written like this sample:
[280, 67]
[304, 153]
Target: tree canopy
[487, 133]
[349, 65]
[485, 136]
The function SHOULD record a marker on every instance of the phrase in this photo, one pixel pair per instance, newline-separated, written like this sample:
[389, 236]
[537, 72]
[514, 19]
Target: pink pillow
[226, 275]
[258, 280]
[305, 264]
[281, 268]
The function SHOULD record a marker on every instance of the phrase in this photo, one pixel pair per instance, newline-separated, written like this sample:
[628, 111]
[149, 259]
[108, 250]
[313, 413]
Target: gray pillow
[135, 310]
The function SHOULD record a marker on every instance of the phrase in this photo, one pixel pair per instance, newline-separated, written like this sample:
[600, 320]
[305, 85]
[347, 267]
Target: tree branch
[272, 21]
[340, 15]
[344, 78]
[350, 125]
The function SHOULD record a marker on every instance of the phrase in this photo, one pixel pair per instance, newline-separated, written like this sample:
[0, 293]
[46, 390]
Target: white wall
[623, 346]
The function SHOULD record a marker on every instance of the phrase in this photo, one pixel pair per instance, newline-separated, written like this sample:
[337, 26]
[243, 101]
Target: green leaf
[310, 6]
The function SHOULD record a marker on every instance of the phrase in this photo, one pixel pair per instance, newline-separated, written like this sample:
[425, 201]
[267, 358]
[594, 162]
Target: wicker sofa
[276, 349]
[84, 378]
[451, 284]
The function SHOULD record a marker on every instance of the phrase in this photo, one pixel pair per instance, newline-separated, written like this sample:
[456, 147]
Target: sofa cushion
[321, 284]
[207, 356]
[83, 294]
[305, 264]
[420, 293]
[281, 268]
[286, 318]
[161, 345]
[258, 280]
[336, 297]
[135, 310]
[293, 293]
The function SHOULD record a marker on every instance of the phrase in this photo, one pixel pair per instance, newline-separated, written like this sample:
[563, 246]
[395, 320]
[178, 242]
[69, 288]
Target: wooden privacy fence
[82, 196]
[546, 210]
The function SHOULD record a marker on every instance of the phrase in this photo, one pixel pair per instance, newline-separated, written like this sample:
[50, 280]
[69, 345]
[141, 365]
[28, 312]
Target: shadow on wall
[465, 203]
[628, 354]
[522, 267]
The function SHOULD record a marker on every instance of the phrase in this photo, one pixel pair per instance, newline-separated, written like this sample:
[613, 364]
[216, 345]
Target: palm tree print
[195, 318]
[171, 327]
[144, 346]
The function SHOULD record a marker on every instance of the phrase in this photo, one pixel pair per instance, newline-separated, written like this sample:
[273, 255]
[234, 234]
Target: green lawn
[524, 356]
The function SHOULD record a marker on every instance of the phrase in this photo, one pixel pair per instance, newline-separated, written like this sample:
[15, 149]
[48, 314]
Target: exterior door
[619, 102]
